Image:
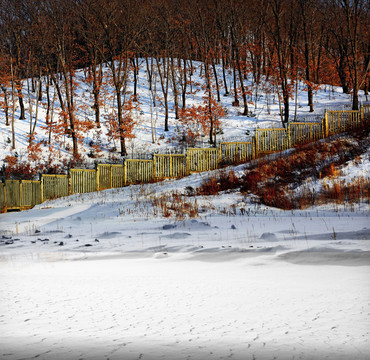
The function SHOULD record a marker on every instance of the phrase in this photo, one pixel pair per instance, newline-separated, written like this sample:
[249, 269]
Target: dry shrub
[176, 204]
[274, 181]
[19, 170]
[340, 191]
[223, 180]
[276, 197]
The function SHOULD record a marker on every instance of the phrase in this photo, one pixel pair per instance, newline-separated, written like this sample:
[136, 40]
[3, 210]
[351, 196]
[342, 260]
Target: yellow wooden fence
[303, 133]
[82, 181]
[236, 152]
[365, 113]
[24, 194]
[138, 171]
[167, 166]
[2, 198]
[20, 194]
[54, 186]
[336, 122]
[203, 159]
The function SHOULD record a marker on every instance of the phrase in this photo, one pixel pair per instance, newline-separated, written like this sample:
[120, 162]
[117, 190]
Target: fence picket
[2, 198]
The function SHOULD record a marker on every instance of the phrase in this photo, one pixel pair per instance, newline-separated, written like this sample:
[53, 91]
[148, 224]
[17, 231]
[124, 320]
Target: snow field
[105, 276]
[183, 307]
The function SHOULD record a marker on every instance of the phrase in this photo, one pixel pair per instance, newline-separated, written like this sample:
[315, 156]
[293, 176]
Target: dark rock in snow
[269, 236]
[6, 237]
[88, 245]
[68, 236]
[61, 243]
[9, 242]
[233, 227]
[96, 240]
[168, 226]
[33, 241]
[37, 231]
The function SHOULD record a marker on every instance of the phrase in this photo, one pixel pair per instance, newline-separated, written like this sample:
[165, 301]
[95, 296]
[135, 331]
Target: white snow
[106, 276]
[264, 285]
[235, 127]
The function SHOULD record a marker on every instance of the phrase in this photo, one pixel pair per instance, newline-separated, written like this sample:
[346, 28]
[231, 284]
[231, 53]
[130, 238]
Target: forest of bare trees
[44, 42]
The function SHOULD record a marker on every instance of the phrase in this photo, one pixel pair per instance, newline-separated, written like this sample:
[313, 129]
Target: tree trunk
[286, 107]
[68, 82]
[120, 124]
[13, 105]
[39, 98]
[57, 87]
[6, 107]
[342, 76]
[149, 71]
[175, 92]
[224, 77]
[184, 86]
[244, 95]
[48, 99]
[209, 93]
[135, 63]
[216, 80]
[20, 100]
[163, 75]
[236, 100]
[96, 92]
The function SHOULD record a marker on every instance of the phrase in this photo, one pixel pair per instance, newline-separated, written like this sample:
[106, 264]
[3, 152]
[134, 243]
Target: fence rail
[24, 194]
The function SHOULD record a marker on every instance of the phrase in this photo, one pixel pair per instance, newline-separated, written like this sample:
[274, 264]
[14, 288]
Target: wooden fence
[340, 121]
[24, 194]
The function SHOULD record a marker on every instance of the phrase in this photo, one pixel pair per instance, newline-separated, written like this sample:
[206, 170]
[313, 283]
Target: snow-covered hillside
[106, 276]
[154, 271]
[149, 134]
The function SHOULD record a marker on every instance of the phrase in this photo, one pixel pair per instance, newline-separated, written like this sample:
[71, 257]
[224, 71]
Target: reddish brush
[274, 181]
[18, 170]
[221, 182]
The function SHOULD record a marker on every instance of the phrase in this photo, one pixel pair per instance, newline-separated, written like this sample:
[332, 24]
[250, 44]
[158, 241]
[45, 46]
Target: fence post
[154, 167]
[111, 176]
[255, 146]
[20, 194]
[5, 197]
[289, 138]
[69, 182]
[41, 188]
[125, 173]
[97, 177]
[187, 165]
[203, 161]
[83, 181]
[326, 125]
[220, 156]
